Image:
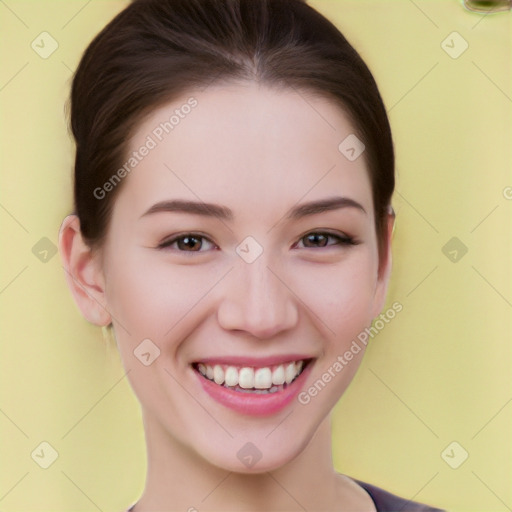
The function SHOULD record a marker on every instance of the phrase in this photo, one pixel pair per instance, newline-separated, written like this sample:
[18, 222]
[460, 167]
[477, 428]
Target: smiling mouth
[255, 380]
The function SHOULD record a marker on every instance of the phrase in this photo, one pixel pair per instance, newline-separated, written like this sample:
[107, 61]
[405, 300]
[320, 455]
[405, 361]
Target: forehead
[246, 146]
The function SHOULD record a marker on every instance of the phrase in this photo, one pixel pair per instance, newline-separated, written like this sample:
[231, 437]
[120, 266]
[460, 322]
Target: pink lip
[255, 362]
[254, 404]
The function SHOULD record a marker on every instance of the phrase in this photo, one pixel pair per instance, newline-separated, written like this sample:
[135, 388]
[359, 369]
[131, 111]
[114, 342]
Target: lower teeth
[273, 389]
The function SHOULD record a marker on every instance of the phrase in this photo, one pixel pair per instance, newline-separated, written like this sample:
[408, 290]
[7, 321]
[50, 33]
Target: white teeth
[231, 376]
[263, 378]
[290, 373]
[246, 378]
[218, 374]
[278, 376]
[253, 379]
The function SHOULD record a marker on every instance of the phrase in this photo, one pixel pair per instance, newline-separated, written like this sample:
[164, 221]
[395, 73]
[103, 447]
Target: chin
[259, 453]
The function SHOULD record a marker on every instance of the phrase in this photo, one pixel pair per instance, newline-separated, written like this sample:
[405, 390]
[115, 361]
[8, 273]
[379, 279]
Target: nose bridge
[262, 286]
[256, 300]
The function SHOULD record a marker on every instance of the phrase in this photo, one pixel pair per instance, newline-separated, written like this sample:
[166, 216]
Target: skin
[258, 151]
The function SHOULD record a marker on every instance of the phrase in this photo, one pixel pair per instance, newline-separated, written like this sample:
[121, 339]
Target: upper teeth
[248, 377]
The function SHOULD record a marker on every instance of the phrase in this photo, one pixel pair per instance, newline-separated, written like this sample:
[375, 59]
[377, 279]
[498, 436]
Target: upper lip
[254, 361]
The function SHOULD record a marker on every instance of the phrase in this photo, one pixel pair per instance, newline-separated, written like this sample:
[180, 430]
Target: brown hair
[156, 50]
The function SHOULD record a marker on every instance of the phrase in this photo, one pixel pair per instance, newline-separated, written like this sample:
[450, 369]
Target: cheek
[342, 301]
[151, 296]
[156, 301]
[341, 295]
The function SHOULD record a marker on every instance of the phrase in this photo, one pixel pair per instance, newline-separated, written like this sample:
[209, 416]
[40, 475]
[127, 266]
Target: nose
[257, 300]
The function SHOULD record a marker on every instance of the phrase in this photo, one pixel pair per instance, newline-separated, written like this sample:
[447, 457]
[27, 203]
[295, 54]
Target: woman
[233, 180]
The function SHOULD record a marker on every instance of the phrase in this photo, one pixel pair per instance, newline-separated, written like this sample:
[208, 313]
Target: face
[262, 290]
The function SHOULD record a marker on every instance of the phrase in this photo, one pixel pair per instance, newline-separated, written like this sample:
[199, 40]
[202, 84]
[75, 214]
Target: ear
[83, 272]
[384, 269]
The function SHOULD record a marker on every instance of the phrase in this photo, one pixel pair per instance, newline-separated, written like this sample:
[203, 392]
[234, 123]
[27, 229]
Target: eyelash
[341, 240]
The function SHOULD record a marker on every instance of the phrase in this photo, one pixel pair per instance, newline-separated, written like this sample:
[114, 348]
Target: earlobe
[83, 272]
[385, 265]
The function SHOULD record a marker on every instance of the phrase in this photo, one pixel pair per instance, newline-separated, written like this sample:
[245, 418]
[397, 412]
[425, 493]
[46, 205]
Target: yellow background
[439, 372]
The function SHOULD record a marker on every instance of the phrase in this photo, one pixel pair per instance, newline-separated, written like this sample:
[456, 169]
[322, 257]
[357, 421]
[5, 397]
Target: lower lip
[255, 404]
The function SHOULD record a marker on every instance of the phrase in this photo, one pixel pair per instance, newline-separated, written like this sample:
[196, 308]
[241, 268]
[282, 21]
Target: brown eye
[188, 242]
[320, 239]
[315, 239]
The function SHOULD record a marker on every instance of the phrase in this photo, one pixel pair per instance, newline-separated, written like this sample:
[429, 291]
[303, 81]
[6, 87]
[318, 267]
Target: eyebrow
[224, 213]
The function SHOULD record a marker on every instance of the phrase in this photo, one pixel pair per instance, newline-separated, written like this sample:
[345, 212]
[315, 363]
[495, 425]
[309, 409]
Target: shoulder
[387, 502]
